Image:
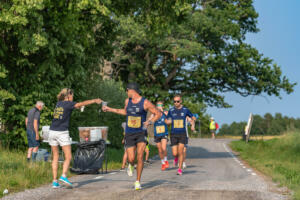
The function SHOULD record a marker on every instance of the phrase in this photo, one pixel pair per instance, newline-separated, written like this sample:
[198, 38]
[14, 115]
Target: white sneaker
[183, 165]
[137, 185]
[130, 170]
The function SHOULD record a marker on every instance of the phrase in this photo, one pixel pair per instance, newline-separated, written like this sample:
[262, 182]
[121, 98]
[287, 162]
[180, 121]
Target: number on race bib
[160, 129]
[178, 123]
[134, 122]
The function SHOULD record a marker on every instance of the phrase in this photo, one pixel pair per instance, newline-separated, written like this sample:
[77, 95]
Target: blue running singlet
[160, 127]
[136, 116]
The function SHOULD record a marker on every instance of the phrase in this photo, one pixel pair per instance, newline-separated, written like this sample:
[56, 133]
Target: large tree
[202, 54]
[46, 45]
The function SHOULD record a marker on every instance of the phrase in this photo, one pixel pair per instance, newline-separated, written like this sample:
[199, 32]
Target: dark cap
[134, 86]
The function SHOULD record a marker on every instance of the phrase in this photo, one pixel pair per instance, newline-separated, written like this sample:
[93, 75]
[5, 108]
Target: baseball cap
[134, 86]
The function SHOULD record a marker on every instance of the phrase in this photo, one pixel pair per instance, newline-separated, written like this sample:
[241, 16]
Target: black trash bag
[88, 157]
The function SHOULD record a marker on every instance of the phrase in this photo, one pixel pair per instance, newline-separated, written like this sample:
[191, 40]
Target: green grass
[278, 158]
[16, 174]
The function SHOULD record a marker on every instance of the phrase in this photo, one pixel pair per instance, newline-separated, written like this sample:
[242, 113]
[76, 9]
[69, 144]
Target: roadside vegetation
[16, 174]
[278, 158]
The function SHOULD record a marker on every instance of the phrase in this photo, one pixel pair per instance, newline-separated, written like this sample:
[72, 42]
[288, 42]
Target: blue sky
[278, 39]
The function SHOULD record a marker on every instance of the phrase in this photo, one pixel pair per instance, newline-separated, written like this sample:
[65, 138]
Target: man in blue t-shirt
[32, 122]
[177, 116]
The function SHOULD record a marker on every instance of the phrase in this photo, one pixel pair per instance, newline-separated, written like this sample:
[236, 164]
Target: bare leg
[175, 151]
[180, 154]
[140, 153]
[160, 151]
[35, 149]
[130, 155]
[124, 159]
[147, 153]
[68, 156]
[164, 147]
[184, 154]
[29, 152]
[55, 152]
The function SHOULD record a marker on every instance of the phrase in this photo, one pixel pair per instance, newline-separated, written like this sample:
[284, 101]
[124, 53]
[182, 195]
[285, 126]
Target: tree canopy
[195, 47]
[202, 55]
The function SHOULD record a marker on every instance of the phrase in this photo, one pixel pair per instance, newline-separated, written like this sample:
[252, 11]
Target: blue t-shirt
[136, 116]
[160, 127]
[178, 117]
[62, 115]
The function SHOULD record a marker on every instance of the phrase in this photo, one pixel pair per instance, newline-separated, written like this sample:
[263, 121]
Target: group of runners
[135, 140]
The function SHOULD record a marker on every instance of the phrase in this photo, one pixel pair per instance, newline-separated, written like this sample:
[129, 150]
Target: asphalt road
[213, 173]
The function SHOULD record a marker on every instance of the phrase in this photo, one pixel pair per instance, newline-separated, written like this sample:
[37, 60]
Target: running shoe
[147, 162]
[137, 185]
[183, 165]
[122, 169]
[179, 172]
[163, 167]
[167, 164]
[65, 180]
[55, 184]
[130, 170]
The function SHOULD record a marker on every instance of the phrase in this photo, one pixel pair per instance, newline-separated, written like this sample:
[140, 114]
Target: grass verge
[16, 174]
[278, 158]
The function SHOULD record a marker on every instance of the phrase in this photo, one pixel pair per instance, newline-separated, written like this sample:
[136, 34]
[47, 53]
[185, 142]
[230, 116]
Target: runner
[212, 127]
[177, 116]
[59, 133]
[135, 109]
[161, 136]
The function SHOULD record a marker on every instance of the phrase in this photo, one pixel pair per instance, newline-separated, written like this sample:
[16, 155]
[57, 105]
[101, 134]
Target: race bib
[134, 122]
[160, 129]
[178, 123]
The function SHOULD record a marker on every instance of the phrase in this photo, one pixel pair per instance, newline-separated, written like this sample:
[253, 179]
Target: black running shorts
[157, 139]
[131, 140]
[178, 138]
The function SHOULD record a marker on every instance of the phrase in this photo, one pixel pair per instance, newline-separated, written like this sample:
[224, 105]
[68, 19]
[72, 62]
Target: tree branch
[148, 62]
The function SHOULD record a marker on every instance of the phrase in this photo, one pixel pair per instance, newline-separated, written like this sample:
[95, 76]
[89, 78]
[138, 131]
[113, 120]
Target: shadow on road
[199, 152]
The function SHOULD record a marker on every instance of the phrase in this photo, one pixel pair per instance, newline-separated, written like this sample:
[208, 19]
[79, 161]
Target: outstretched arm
[87, 102]
[117, 111]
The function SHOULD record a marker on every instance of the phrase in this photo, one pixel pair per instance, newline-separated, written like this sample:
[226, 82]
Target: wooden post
[249, 125]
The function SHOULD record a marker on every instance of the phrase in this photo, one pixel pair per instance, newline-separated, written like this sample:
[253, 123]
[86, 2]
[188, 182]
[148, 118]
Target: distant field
[278, 158]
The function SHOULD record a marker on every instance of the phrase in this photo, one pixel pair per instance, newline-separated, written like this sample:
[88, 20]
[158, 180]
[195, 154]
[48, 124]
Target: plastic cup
[82, 108]
[104, 103]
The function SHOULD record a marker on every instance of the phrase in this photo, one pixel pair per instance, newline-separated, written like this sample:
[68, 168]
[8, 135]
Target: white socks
[166, 158]
[162, 161]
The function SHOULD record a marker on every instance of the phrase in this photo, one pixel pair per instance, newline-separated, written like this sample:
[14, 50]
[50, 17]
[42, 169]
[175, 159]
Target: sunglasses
[176, 101]
[159, 105]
